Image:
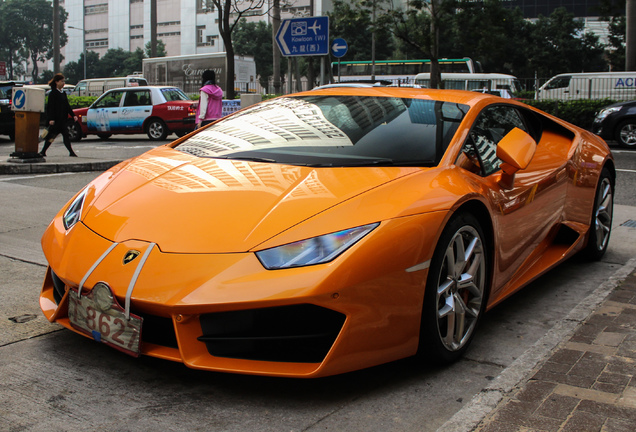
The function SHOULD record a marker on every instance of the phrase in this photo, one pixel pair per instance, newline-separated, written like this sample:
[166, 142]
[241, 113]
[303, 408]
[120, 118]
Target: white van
[590, 85]
[97, 86]
[473, 81]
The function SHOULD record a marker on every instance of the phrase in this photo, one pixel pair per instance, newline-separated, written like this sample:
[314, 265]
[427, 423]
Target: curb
[44, 168]
[487, 400]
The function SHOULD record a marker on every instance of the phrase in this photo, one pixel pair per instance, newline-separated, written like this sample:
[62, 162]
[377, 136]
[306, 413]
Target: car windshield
[5, 92]
[174, 94]
[334, 131]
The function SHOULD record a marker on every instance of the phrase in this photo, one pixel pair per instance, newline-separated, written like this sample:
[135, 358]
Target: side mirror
[515, 150]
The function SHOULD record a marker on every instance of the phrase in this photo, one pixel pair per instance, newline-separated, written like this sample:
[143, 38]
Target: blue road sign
[339, 47]
[304, 36]
[19, 99]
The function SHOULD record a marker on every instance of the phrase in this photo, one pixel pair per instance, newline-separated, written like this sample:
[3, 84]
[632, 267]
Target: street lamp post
[83, 45]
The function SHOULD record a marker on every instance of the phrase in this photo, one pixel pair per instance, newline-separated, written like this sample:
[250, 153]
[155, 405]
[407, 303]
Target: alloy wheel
[460, 291]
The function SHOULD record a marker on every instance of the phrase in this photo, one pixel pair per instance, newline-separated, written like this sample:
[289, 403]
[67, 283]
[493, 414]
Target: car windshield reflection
[334, 131]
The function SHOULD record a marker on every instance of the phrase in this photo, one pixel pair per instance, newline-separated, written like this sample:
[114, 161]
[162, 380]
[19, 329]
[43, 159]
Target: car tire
[456, 291]
[602, 213]
[74, 132]
[103, 136]
[625, 133]
[156, 129]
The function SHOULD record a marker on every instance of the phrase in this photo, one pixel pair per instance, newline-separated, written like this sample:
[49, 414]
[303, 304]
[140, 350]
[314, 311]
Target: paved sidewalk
[587, 384]
[94, 155]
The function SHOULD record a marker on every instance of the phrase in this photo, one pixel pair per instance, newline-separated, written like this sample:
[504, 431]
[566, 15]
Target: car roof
[143, 88]
[457, 96]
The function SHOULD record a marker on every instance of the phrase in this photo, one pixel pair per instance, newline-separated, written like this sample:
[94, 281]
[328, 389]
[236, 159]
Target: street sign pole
[339, 48]
[303, 37]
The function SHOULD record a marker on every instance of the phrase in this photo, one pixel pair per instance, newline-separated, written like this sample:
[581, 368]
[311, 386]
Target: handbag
[46, 133]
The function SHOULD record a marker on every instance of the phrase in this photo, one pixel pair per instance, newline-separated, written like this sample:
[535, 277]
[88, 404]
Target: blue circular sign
[19, 99]
[339, 47]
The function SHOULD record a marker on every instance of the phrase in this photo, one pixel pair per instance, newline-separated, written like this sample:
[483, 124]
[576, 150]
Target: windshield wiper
[247, 158]
[348, 163]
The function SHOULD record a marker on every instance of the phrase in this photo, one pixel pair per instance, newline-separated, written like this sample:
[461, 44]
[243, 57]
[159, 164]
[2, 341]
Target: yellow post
[27, 132]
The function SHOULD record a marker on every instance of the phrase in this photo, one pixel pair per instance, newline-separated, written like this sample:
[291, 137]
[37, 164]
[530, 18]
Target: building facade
[184, 26]
[191, 26]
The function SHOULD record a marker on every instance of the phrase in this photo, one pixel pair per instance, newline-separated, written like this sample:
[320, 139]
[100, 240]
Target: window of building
[93, 31]
[97, 43]
[200, 35]
[296, 11]
[96, 9]
[205, 6]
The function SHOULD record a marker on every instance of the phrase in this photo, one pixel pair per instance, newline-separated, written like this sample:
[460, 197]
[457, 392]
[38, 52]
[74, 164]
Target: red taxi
[153, 110]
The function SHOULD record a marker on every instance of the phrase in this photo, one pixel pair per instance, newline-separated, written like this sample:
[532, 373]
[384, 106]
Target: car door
[103, 115]
[526, 212]
[136, 109]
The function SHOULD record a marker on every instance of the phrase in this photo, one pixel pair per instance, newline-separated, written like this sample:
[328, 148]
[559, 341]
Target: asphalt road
[54, 380]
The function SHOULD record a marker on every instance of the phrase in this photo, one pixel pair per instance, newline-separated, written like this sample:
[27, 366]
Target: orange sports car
[327, 231]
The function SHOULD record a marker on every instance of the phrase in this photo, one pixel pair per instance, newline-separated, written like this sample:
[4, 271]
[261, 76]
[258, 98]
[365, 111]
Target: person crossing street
[57, 112]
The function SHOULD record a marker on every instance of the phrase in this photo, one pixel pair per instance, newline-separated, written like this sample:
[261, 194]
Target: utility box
[28, 99]
[28, 103]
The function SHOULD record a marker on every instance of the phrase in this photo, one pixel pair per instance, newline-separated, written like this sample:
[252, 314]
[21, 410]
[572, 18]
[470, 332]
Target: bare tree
[229, 13]
[418, 26]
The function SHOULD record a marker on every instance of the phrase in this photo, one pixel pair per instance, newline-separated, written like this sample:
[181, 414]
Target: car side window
[109, 100]
[137, 98]
[479, 153]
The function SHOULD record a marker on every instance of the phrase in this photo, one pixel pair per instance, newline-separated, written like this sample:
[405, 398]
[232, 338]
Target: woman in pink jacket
[210, 100]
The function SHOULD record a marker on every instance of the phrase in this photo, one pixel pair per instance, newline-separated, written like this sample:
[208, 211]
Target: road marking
[40, 176]
[626, 170]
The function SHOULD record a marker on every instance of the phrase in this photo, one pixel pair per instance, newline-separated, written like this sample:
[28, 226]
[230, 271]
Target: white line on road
[39, 176]
[626, 170]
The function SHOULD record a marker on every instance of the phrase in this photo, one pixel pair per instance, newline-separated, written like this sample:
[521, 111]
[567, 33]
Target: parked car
[154, 110]
[7, 116]
[327, 231]
[617, 122]
[503, 93]
[589, 85]
[97, 86]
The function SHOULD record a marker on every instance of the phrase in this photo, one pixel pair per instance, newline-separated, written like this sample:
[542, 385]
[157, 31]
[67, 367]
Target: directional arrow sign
[339, 47]
[19, 98]
[304, 36]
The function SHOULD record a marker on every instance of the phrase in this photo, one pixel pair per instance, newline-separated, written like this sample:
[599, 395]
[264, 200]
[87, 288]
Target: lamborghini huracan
[327, 231]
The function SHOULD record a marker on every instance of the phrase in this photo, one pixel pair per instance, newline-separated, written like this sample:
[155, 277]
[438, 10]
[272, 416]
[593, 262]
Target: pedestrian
[57, 112]
[210, 100]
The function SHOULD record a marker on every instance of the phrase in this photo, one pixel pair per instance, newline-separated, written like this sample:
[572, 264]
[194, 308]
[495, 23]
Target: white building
[185, 26]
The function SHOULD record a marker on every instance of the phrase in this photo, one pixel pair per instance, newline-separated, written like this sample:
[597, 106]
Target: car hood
[187, 204]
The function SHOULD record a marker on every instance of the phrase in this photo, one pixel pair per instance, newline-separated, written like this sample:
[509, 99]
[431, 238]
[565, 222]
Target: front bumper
[225, 312]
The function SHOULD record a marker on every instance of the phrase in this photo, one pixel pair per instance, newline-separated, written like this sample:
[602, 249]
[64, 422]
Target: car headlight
[73, 213]
[605, 112]
[316, 250]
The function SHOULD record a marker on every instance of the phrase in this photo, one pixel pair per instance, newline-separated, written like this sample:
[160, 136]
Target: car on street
[327, 231]
[617, 122]
[154, 110]
[7, 116]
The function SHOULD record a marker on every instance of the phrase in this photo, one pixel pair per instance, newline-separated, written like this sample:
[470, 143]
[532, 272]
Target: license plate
[99, 315]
